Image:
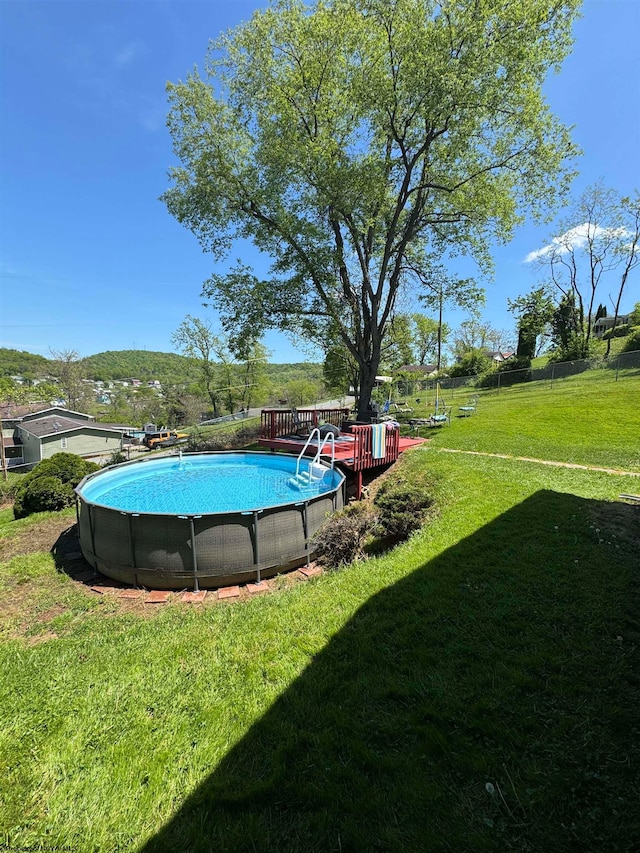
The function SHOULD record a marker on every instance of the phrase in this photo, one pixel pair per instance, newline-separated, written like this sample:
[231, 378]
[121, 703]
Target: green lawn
[595, 424]
[474, 689]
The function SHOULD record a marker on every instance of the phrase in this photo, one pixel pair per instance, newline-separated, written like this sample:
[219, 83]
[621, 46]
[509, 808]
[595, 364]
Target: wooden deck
[353, 449]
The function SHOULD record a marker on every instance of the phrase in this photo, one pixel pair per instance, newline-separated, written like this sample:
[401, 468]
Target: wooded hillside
[139, 364]
[166, 367]
[15, 362]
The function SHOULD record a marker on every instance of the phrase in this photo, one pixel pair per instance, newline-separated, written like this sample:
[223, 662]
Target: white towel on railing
[378, 441]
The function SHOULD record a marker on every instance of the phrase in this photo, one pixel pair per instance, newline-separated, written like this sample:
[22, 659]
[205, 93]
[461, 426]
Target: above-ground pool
[204, 520]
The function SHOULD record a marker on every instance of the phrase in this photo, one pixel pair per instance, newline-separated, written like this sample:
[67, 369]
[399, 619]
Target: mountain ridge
[113, 365]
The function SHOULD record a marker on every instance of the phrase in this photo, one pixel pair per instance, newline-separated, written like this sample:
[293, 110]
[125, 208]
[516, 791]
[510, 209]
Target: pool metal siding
[159, 551]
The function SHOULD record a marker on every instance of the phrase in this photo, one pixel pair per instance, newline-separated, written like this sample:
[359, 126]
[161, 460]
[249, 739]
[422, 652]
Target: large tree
[231, 375]
[473, 334]
[338, 137]
[535, 312]
[69, 371]
[410, 339]
[598, 244]
[196, 339]
[428, 336]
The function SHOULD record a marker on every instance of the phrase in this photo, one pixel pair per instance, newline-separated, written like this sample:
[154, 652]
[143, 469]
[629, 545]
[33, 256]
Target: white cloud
[538, 254]
[574, 238]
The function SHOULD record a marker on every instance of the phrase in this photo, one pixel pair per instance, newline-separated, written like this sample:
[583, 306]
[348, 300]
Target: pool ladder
[316, 469]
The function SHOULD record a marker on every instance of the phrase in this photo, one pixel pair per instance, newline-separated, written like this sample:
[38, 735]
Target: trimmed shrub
[50, 484]
[43, 494]
[402, 508]
[67, 467]
[342, 538]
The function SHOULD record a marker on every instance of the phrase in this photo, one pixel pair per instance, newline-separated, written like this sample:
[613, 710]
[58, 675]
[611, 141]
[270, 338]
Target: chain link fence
[625, 365]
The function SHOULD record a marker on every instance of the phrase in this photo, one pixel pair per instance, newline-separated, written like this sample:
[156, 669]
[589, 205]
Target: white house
[603, 324]
[28, 437]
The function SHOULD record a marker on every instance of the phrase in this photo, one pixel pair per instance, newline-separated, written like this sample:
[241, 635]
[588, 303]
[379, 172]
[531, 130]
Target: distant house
[422, 371]
[498, 357]
[30, 436]
[603, 324]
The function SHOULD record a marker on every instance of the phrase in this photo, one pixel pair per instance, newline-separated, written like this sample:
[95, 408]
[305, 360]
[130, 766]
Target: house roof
[12, 412]
[10, 441]
[418, 368]
[497, 355]
[59, 425]
[621, 319]
[61, 410]
[9, 412]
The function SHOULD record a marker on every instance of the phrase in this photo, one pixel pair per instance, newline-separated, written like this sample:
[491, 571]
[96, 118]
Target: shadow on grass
[69, 560]
[484, 702]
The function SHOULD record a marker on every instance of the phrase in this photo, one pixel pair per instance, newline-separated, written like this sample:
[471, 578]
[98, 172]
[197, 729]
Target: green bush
[474, 363]
[619, 332]
[67, 467]
[116, 458]
[43, 494]
[633, 340]
[402, 508]
[520, 362]
[8, 487]
[342, 538]
[574, 350]
[50, 484]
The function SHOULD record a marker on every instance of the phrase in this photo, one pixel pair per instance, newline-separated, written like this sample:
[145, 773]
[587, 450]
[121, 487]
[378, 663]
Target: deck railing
[279, 424]
[363, 451]
[276, 423]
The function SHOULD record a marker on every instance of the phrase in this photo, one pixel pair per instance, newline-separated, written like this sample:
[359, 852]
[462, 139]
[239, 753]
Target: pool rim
[207, 453]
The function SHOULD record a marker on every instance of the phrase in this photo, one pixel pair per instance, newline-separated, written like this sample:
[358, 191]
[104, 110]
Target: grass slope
[474, 689]
[594, 425]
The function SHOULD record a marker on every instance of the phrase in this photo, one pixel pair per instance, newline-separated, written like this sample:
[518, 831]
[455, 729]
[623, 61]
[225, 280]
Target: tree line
[233, 385]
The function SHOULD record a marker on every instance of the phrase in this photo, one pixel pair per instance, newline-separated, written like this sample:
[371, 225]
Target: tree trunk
[367, 383]
[214, 404]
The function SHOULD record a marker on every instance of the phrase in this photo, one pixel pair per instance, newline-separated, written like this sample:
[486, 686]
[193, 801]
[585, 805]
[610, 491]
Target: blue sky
[90, 260]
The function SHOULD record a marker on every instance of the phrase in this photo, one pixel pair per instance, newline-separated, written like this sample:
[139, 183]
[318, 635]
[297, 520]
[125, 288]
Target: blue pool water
[226, 482]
